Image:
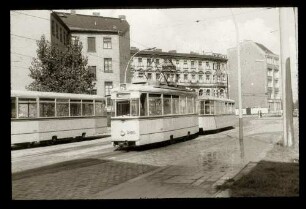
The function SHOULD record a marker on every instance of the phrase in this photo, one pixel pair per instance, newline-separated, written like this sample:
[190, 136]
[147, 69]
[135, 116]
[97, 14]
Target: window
[193, 76]
[91, 44]
[200, 63]
[192, 64]
[61, 35]
[93, 71]
[157, 76]
[185, 62]
[155, 106]
[175, 104]
[75, 107]
[200, 92]
[167, 104]
[62, 107]
[52, 28]
[177, 62]
[74, 40]
[202, 107]
[207, 64]
[87, 108]
[190, 104]
[108, 65]
[183, 105]
[99, 108]
[107, 43]
[208, 92]
[108, 86]
[47, 107]
[143, 104]
[200, 77]
[93, 92]
[185, 77]
[13, 107]
[207, 108]
[177, 78]
[149, 62]
[56, 31]
[27, 108]
[123, 108]
[157, 61]
[149, 76]
[134, 107]
[139, 60]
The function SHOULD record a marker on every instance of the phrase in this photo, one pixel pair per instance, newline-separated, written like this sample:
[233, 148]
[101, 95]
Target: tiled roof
[78, 22]
[265, 49]
[178, 55]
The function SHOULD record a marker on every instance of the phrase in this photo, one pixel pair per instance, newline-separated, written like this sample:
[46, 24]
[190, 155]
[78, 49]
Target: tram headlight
[122, 133]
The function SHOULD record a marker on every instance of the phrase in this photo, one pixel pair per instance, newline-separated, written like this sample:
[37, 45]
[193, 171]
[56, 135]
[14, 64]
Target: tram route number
[131, 132]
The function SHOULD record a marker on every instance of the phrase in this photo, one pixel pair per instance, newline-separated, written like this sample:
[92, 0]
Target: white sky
[177, 29]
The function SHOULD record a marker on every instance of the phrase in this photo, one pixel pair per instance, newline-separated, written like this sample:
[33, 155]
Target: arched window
[208, 92]
[200, 92]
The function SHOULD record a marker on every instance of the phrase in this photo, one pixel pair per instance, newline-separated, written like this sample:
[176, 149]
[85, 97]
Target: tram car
[151, 113]
[215, 113]
[39, 117]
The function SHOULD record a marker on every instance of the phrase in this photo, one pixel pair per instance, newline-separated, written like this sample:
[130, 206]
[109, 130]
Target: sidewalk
[198, 175]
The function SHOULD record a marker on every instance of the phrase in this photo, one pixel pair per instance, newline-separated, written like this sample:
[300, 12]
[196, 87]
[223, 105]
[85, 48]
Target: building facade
[27, 27]
[205, 73]
[106, 44]
[260, 76]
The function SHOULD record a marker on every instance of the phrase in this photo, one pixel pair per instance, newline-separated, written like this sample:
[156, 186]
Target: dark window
[13, 107]
[61, 35]
[149, 76]
[107, 43]
[56, 31]
[108, 65]
[93, 92]
[64, 37]
[91, 44]
[157, 61]
[157, 76]
[93, 71]
[52, 28]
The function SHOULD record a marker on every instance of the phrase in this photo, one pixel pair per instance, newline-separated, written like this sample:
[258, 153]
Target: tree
[60, 70]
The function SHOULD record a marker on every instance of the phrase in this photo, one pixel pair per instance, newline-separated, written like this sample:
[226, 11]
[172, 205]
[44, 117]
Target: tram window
[13, 107]
[134, 107]
[167, 104]
[27, 108]
[47, 107]
[99, 108]
[212, 107]
[175, 104]
[62, 107]
[87, 108]
[189, 105]
[123, 108]
[207, 107]
[155, 106]
[201, 107]
[143, 104]
[183, 105]
[75, 108]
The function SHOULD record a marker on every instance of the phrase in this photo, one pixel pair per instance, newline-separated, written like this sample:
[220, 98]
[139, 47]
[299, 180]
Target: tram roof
[145, 87]
[20, 93]
[215, 98]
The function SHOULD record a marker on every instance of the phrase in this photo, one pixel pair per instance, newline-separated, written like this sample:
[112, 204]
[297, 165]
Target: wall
[26, 29]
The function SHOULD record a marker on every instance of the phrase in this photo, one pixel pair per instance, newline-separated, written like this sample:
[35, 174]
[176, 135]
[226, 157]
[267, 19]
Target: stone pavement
[197, 174]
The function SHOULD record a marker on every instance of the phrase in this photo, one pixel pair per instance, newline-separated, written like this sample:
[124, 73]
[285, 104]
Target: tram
[146, 113]
[39, 117]
[215, 113]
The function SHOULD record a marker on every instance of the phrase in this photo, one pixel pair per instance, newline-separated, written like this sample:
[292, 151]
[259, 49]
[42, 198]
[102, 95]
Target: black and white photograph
[154, 103]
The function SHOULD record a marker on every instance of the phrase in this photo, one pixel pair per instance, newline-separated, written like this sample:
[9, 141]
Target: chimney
[96, 13]
[73, 12]
[122, 17]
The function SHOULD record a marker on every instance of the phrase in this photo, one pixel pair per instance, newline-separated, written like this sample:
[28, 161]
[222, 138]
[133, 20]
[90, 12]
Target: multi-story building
[204, 73]
[260, 77]
[27, 27]
[106, 43]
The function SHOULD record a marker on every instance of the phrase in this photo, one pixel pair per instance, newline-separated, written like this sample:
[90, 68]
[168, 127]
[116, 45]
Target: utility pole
[286, 77]
[239, 89]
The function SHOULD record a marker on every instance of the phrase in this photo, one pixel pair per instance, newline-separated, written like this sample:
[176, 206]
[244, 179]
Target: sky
[202, 29]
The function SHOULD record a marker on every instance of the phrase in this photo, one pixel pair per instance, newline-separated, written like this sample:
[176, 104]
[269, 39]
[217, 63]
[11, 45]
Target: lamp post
[239, 89]
[127, 66]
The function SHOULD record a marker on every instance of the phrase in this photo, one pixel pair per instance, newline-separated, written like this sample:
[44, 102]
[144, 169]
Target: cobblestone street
[187, 169]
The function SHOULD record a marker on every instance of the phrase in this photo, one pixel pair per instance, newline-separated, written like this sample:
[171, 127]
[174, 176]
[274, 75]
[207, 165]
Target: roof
[178, 55]
[89, 23]
[265, 49]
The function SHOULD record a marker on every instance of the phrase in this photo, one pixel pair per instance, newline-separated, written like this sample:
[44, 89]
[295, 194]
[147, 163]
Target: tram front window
[167, 104]
[123, 108]
[134, 107]
[143, 105]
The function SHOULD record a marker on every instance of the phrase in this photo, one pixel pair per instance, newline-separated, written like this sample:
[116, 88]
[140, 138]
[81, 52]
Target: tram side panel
[23, 131]
[125, 130]
[207, 122]
[224, 121]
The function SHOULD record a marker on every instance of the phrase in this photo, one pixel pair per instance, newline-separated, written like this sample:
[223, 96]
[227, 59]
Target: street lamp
[127, 66]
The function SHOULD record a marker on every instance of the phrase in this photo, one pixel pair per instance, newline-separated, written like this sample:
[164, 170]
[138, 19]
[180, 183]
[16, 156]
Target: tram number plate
[131, 132]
